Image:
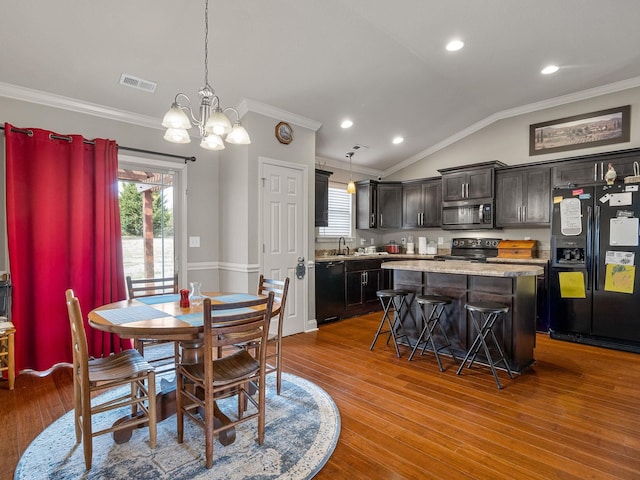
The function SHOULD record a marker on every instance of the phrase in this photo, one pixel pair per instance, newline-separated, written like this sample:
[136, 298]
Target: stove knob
[495, 243]
[454, 243]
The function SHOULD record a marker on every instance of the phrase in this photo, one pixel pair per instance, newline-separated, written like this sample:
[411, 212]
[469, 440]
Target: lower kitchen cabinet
[363, 279]
[330, 291]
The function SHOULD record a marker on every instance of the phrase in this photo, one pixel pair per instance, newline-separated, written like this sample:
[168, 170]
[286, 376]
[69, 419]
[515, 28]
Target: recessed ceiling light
[397, 140]
[346, 123]
[455, 45]
[549, 69]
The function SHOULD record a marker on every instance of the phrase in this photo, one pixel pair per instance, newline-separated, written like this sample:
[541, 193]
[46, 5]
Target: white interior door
[284, 236]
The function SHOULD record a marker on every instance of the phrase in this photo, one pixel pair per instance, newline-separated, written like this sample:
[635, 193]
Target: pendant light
[215, 126]
[351, 187]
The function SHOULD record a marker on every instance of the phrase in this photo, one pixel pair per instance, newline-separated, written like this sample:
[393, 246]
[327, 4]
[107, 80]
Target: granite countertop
[466, 268]
[367, 256]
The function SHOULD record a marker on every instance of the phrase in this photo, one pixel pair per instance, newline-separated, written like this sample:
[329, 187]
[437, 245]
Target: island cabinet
[422, 203]
[462, 282]
[591, 169]
[322, 198]
[523, 196]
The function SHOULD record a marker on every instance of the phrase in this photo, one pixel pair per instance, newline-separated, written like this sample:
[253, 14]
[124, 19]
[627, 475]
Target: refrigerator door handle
[596, 250]
[589, 253]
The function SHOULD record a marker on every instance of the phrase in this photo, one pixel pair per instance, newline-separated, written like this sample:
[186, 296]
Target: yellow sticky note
[557, 199]
[619, 278]
[572, 285]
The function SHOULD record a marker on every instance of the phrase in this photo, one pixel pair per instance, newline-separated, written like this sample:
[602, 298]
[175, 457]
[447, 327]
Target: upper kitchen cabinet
[422, 203]
[389, 205]
[366, 204]
[378, 205]
[523, 196]
[472, 182]
[592, 169]
[322, 198]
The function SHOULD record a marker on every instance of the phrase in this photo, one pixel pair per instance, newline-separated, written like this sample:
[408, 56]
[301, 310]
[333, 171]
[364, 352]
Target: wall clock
[284, 133]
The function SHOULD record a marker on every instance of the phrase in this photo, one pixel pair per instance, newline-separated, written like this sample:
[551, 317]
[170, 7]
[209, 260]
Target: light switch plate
[194, 241]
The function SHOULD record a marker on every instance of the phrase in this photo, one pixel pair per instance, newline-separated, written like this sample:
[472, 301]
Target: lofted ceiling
[383, 64]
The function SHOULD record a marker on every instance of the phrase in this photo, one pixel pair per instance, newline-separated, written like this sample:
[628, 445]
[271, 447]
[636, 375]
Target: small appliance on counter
[517, 249]
[422, 245]
[392, 247]
[410, 245]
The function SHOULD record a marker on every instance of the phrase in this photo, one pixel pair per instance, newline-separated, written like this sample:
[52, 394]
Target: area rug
[301, 432]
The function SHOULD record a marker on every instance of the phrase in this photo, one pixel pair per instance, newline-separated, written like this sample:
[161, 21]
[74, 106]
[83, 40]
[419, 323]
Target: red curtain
[63, 228]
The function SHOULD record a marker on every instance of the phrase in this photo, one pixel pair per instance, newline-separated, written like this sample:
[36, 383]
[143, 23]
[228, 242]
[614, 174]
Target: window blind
[340, 203]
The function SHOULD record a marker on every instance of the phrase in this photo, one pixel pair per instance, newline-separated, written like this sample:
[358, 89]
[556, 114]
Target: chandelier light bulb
[212, 142]
[177, 135]
[176, 118]
[351, 187]
[238, 135]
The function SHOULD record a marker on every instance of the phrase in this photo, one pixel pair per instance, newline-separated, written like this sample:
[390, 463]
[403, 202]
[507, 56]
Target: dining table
[161, 317]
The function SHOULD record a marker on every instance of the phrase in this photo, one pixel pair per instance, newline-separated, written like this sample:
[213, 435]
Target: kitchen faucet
[341, 239]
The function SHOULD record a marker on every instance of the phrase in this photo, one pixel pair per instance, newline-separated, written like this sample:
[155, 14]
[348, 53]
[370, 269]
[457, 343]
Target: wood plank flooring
[574, 415]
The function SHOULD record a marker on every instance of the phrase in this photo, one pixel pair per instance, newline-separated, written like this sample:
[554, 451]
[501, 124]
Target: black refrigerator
[594, 281]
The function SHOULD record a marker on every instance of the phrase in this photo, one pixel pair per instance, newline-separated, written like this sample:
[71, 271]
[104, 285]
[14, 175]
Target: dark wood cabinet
[523, 196]
[367, 204]
[322, 198]
[363, 279]
[389, 205]
[422, 203]
[467, 184]
[378, 205]
[592, 169]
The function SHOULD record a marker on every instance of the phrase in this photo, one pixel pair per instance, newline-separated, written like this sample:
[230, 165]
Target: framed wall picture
[581, 131]
[284, 133]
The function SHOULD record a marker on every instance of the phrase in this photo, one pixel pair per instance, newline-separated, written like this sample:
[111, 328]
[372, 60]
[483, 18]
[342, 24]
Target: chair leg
[278, 365]
[87, 434]
[11, 374]
[151, 407]
[179, 412]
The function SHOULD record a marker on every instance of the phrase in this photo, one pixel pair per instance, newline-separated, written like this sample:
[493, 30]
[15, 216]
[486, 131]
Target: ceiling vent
[139, 83]
[358, 146]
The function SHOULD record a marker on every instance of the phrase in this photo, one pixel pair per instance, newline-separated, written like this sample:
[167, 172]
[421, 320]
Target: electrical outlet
[403, 240]
[440, 240]
[363, 241]
[373, 241]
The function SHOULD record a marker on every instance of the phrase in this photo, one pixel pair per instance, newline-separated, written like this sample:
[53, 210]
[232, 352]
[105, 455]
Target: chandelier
[214, 124]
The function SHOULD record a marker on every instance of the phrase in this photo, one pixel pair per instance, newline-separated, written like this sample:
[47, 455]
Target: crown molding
[279, 114]
[328, 162]
[66, 103]
[514, 112]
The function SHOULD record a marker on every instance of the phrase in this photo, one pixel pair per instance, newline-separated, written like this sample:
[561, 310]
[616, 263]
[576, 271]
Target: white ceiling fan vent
[139, 83]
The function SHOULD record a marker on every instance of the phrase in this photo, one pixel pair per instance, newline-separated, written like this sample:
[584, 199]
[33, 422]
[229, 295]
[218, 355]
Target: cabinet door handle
[373, 220]
[381, 220]
[595, 172]
[524, 213]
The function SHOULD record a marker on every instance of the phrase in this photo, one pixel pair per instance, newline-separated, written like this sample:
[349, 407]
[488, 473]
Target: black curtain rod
[120, 147]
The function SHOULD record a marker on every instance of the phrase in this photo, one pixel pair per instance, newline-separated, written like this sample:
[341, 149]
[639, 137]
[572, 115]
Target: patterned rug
[302, 429]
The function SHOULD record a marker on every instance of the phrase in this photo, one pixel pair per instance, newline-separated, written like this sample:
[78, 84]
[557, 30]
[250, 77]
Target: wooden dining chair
[156, 353]
[200, 385]
[7, 332]
[280, 289]
[89, 376]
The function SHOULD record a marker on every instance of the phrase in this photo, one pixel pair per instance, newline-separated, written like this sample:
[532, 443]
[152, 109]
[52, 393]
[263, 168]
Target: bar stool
[484, 316]
[392, 301]
[437, 303]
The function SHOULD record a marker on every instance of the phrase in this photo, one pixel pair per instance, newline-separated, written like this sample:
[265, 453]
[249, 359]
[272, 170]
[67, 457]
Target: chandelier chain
[206, 43]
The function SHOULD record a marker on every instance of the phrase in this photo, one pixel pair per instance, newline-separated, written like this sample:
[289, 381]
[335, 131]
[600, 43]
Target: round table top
[159, 316]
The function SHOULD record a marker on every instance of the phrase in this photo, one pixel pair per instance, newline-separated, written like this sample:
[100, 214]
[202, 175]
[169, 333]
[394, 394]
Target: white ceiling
[380, 63]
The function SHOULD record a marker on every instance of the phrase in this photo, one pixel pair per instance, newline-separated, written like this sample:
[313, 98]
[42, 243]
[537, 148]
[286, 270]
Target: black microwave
[468, 216]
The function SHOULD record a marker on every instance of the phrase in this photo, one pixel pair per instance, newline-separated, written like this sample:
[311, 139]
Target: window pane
[339, 213]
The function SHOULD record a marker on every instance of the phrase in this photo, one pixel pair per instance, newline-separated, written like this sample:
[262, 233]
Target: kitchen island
[463, 282]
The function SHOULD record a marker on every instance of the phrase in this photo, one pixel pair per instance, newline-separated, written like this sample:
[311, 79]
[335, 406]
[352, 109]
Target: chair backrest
[145, 287]
[280, 289]
[5, 296]
[232, 323]
[78, 336]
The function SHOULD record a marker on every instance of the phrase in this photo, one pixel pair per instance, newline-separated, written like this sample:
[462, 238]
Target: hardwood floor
[574, 415]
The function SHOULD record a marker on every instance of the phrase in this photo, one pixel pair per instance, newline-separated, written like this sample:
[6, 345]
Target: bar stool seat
[484, 316]
[392, 301]
[438, 304]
